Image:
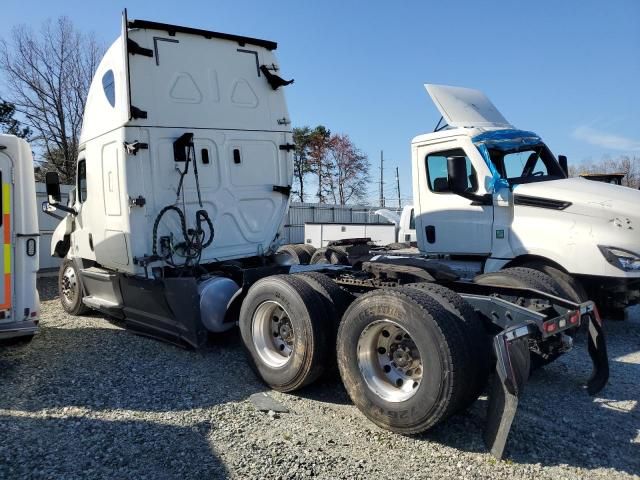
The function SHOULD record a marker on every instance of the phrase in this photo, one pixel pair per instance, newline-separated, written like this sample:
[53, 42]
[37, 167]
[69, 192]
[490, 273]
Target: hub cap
[69, 285]
[273, 334]
[389, 361]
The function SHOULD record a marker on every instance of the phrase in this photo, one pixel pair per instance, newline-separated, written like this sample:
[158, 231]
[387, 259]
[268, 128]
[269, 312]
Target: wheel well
[62, 247]
[525, 259]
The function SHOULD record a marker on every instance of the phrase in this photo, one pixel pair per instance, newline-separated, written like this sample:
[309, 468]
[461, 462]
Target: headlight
[620, 258]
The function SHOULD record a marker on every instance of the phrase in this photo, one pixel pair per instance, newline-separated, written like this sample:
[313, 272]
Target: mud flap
[598, 352]
[511, 349]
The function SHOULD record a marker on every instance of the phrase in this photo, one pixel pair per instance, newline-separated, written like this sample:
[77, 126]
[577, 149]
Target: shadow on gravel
[71, 388]
[47, 288]
[75, 447]
[327, 389]
[111, 368]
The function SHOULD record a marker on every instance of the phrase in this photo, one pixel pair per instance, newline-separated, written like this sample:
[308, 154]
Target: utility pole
[381, 178]
[398, 187]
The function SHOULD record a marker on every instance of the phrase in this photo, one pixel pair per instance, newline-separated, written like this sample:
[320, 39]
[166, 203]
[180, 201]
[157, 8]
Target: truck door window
[437, 171]
[82, 180]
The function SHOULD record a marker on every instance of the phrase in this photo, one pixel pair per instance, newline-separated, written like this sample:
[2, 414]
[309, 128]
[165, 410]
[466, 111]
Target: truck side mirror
[457, 173]
[562, 160]
[53, 187]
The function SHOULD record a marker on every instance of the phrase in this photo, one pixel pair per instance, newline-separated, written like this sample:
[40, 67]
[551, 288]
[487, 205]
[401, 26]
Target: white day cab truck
[183, 183]
[510, 204]
[19, 301]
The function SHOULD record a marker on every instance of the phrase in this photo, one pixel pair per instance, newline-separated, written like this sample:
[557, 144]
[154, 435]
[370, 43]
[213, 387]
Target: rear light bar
[555, 325]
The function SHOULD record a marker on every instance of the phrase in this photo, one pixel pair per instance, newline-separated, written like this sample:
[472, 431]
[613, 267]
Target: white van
[19, 300]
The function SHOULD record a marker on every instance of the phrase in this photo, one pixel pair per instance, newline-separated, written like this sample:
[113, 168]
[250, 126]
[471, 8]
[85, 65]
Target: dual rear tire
[298, 253]
[404, 354]
[403, 359]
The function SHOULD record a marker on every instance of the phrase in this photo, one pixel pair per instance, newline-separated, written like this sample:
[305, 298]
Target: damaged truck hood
[586, 197]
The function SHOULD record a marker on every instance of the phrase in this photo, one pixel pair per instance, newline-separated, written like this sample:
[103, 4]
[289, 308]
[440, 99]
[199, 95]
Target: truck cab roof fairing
[465, 107]
[218, 85]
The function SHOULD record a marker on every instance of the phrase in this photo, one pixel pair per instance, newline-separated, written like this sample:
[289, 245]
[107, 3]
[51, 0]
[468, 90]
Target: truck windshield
[518, 157]
[526, 165]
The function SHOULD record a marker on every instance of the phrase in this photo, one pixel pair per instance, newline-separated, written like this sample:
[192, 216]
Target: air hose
[194, 240]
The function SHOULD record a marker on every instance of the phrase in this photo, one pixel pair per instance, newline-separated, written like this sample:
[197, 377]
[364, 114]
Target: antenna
[398, 187]
[381, 178]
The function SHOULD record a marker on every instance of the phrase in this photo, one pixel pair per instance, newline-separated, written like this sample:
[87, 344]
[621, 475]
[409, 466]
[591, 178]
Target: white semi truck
[19, 301]
[183, 183]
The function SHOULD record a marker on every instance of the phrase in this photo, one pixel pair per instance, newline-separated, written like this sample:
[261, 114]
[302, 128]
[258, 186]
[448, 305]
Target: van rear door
[6, 231]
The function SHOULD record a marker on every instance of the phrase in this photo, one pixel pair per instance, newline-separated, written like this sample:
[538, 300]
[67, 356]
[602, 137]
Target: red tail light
[574, 318]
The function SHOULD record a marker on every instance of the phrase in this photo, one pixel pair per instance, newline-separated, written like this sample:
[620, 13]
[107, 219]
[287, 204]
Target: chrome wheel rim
[273, 334]
[389, 361]
[69, 287]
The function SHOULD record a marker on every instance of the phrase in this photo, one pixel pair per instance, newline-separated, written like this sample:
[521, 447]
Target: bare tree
[47, 76]
[628, 165]
[346, 172]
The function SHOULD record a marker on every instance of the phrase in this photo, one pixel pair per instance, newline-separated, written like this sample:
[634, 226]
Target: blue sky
[568, 70]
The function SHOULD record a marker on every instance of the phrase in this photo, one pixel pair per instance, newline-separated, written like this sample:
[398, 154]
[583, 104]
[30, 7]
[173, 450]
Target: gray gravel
[87, 399]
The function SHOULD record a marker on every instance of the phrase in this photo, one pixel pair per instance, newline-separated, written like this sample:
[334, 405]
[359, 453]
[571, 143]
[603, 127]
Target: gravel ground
[87, 399]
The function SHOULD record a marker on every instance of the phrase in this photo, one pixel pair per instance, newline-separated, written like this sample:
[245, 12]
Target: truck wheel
[566, 284]
[70, 288]
[477, 341]
[309, 248]
[400, 358]
[297, 253]
[328, 255]
[283, 323]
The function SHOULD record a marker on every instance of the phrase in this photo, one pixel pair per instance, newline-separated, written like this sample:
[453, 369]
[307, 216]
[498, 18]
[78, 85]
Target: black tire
[398, 245]
[568, 286]
[519, 277]
[477, 341]
[310, 249]
[329, 255]
[435, 336]
[338, 298]
[70, 288]
[297, 253]
[305, 312]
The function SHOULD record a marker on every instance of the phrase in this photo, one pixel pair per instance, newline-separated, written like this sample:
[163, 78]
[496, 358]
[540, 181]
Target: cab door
[447, 223]
[6, 227]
